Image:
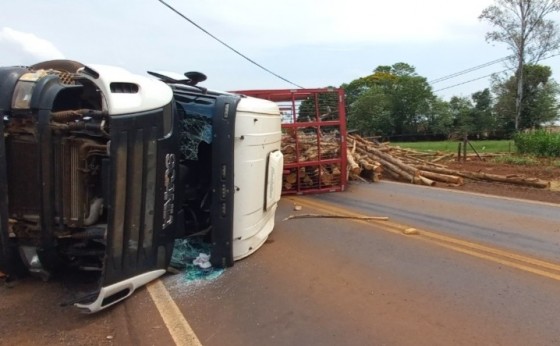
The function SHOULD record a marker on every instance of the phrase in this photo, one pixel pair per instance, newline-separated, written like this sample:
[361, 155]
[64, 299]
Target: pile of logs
[368, 159]
[399, 163]
[329, 175]
[309, 150]
[308, 146]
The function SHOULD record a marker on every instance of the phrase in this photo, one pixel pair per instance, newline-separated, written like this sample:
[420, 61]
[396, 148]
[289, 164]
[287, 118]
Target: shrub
[539, 143]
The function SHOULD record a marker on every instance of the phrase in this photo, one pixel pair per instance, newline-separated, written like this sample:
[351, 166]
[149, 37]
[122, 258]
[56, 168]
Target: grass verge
[482, 146]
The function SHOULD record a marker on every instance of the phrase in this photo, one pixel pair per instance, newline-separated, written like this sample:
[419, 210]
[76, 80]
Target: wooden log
[326, 178]
[357, 177]
[523, 181]
[406, 172]
[307, 180]
[288, 149]
[420, 180]
[336, 171]
[389, 162]
[368, 166]
[395, 161]
[441, 170]
[371, 175]
[394, 174]
[443, 157]
[422, 162]
[353, 167]
[444, 178]
[291, 178]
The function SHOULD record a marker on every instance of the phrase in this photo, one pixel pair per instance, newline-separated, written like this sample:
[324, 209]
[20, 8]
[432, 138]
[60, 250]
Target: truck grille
[134, 215]
[23, 177]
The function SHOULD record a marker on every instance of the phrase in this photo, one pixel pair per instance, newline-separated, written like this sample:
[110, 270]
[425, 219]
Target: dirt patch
[542, 171]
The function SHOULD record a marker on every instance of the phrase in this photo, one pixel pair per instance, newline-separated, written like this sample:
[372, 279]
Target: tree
[407, 99]
[382, 77]
[323, 106]
[522, 26]
[370, 113]
[539, 98]
[439, 119]
[482, 115]
[462, 110]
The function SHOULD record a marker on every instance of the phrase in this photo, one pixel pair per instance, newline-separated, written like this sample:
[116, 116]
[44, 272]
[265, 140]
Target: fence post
[465, 140]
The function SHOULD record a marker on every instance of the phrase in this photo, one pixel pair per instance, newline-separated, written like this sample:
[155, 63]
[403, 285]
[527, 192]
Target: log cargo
[369, 160]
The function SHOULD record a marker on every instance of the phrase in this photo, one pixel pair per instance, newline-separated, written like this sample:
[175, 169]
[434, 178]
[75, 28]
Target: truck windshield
[195, 114]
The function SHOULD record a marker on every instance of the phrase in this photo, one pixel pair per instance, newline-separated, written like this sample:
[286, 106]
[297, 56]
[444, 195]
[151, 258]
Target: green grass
[521, 160]
[484, 146]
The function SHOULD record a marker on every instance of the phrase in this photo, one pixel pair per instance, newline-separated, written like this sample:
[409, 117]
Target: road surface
[465, 276]
[524, 226]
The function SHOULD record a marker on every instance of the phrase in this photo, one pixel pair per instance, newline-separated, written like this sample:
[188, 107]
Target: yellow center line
[507, 258]
[178, 327]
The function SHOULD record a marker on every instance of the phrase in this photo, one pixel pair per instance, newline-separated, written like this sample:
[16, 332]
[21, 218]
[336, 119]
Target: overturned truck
[101, 170]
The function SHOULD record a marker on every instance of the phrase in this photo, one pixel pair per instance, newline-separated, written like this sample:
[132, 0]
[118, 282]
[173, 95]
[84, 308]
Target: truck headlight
[24, 89]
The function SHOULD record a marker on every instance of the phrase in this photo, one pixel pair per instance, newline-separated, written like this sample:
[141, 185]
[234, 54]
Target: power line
[227, 45]
[478, 67]
[490, 63]
[472, 80]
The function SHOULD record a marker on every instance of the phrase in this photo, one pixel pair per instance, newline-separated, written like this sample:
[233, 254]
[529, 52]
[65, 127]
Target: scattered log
[353, 167]
[404, 171]
[420, 180]
[444, 178]
[326, 216]
[441, 170]
[442, 157]
[523, 181]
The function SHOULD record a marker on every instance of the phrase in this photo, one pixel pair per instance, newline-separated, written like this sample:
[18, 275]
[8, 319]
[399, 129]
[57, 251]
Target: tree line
[394, 100]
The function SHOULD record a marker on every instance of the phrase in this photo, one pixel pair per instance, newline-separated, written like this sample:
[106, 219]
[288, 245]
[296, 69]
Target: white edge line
[176, 323]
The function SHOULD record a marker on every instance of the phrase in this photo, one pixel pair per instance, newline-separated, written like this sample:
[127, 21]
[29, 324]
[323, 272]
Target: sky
[311, 43]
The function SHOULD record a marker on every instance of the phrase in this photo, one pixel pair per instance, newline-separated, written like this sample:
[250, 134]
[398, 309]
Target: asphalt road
[322, 281]
[347, 282]
[524, 226]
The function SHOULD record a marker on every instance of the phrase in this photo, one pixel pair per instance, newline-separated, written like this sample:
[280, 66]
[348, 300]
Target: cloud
[293, 22]
[25, 48]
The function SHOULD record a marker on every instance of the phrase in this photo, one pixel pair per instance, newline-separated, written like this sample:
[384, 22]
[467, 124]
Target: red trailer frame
[313, 138]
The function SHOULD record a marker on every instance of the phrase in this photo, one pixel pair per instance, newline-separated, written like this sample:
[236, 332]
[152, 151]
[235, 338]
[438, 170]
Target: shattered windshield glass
[196, 125]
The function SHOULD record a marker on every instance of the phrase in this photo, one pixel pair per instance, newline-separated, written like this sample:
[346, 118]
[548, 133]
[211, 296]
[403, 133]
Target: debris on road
[202, 261]
[326, 216]
[192, 257]
[410, 231]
